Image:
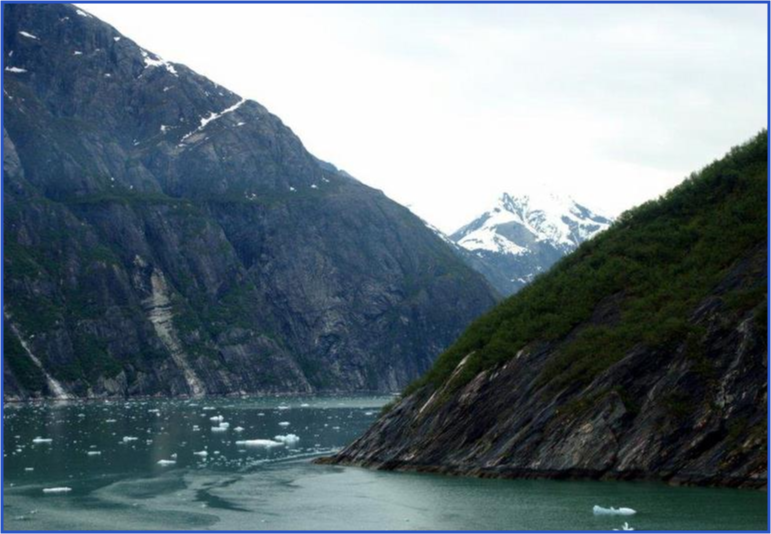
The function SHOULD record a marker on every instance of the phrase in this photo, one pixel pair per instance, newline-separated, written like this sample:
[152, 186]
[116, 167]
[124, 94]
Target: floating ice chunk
[599, 510]
[305, 405]
[284, 423]
[126, 439]
[219, 428]
[289, 439]
[314, 186]
[77, 53]
[216, 418]
[292, 189]
[111, 421]
[166, 462]
[223, 424]
[16, 70]
[239, 429]
[29, 468]
[267, 443]
[369, 413]
[29, 35]
[94, 453]
[83, 13]
[208, 408]
[116, 39]
[63, 489]
[283, 407]
[201, 453]
[42, 440]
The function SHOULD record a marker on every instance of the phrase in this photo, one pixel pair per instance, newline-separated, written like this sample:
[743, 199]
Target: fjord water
[242, 487]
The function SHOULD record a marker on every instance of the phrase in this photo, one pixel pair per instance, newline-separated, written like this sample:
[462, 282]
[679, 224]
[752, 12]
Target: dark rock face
[165, 237]
[501, 424]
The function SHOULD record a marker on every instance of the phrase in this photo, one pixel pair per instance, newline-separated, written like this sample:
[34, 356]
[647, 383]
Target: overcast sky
[444, 107]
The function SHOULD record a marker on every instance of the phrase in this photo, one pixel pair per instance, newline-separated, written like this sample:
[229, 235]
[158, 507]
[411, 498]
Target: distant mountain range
[524, 234]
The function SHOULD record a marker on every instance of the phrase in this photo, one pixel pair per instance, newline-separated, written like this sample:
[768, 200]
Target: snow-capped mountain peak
[528, 232]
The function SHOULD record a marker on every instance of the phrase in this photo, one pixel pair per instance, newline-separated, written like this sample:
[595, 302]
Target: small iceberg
[166, 462]
[94, 453]
[599, 510]
[126, 439]
[201, 453]
[284, 423]
[239, 429]
[57, 490]
[42, 440]
[217, 418]
[267, 443]
[289, 439]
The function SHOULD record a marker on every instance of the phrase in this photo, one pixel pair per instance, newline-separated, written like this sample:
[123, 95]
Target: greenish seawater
[238, 486]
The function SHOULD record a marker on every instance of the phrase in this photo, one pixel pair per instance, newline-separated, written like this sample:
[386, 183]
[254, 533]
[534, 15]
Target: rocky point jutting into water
[164, 236]
[642, 355]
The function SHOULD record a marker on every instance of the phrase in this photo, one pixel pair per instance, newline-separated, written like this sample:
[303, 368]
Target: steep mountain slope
[523, 235]
[164, 236]
[642, 355]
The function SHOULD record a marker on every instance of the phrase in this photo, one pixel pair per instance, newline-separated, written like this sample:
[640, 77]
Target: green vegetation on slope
[658, 261]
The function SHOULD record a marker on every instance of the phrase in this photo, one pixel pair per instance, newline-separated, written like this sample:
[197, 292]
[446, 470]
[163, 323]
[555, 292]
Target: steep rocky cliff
[164, 236]
[643, 355]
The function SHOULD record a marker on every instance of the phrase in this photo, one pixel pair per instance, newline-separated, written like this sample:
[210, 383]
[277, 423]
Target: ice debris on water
[284, 423]
[126, 439]
[94, 453]
[216, 418]
[63, 489]
[267, 443]
[42, 440]
[289, 439]
[166, 462]
[201, 453]
[599, 510]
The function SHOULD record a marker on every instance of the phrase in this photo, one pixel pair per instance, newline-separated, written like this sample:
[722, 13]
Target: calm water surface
[271, 485]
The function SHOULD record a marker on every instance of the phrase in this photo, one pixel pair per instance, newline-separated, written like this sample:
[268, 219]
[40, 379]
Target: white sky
[444, 107]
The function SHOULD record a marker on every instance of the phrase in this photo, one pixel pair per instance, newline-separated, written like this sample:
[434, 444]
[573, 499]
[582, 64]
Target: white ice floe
[239, 429]
[116, 39]
[284, 423]
[267, 443]
[29, 468]
[166, 462]
[305, 405]
[94, 453]
[29, 35]
[15, 70]
[77, 53]
[599, 510]
[83, 13]
[204, 454]
[63, 489]
[219, 428]
[289, 439]
[216, 418]
[126, 439]
[42, 440]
